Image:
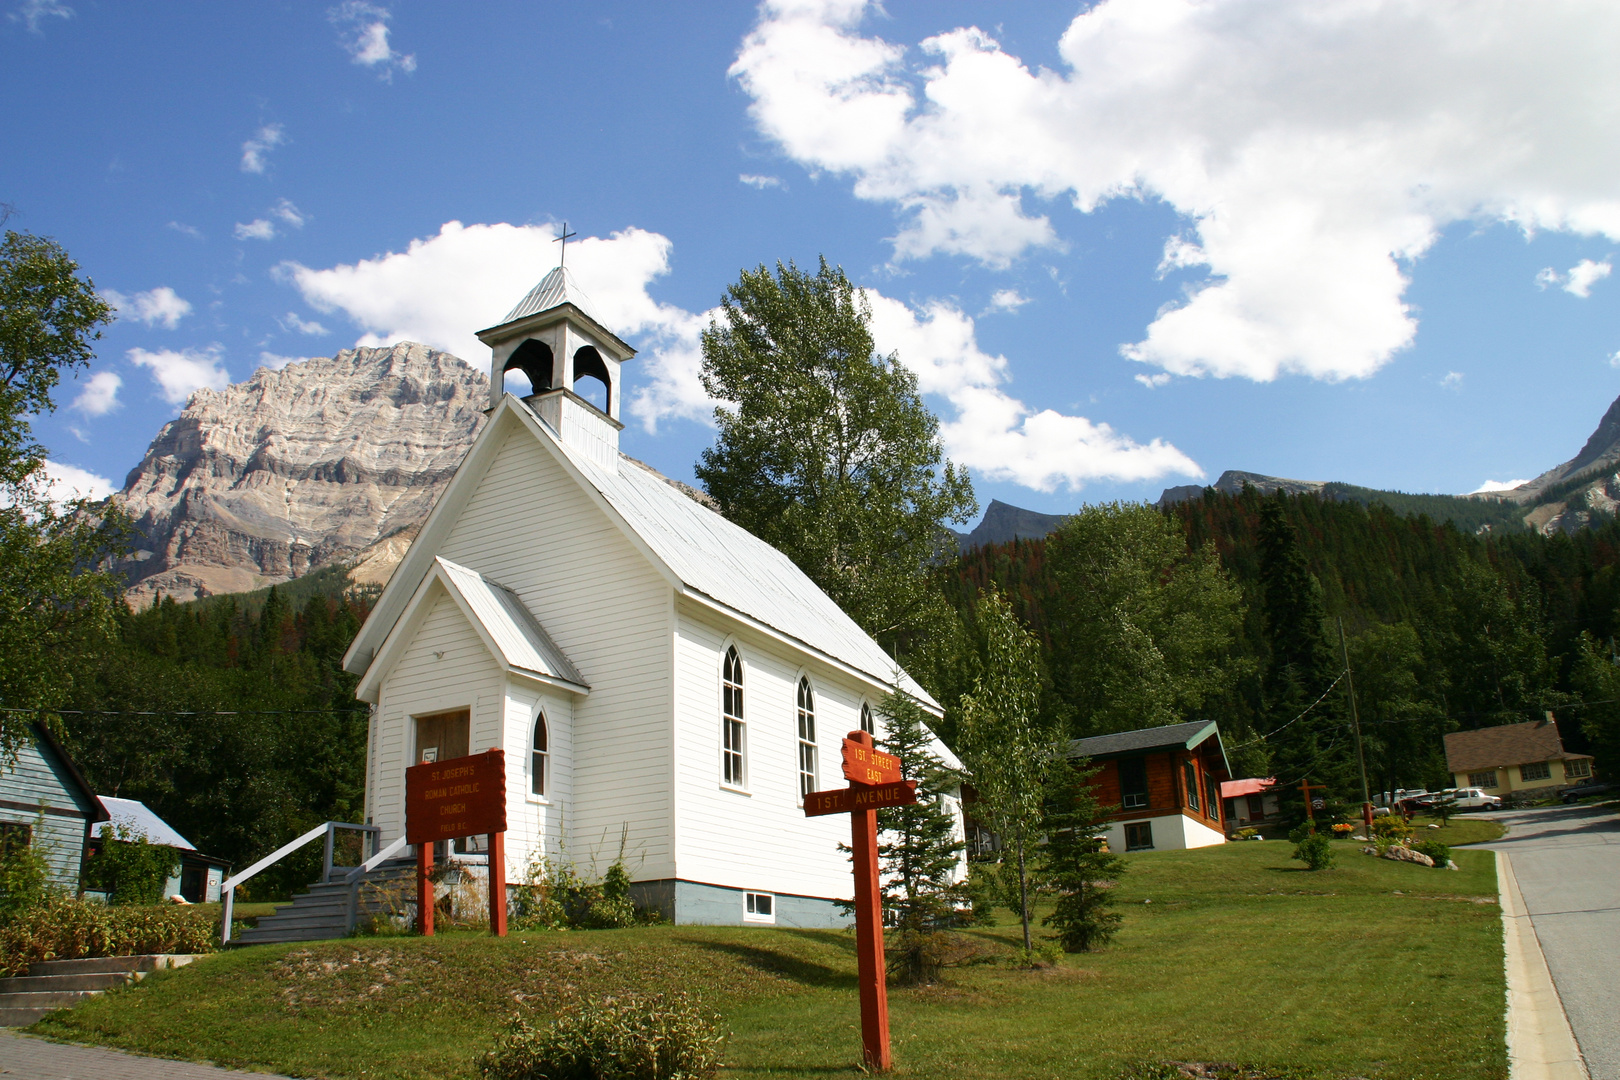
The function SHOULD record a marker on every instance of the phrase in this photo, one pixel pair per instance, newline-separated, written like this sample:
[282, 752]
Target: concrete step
[296, 922]
[24, 984]
[46, 999]
[103, 965]
[265, 937]
[14, 1017]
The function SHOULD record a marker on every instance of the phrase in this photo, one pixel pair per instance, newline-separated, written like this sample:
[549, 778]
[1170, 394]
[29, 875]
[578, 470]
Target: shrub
[660, 1037]
[1435, 850]
[1391, 827]
[129, 868]
[1314, 851]
[65, 929]
[555, 896]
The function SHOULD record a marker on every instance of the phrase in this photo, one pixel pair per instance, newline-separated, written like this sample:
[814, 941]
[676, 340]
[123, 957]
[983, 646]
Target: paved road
[1567, 861]
[25, 1058]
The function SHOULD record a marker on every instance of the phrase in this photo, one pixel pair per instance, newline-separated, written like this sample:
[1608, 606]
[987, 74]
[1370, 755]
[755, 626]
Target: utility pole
[1355, 725]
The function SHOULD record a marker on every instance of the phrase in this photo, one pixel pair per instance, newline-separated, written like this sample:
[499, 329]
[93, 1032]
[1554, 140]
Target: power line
[1295, 720]
[184, 712]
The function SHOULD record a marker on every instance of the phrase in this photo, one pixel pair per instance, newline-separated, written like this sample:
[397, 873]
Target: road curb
[1541, 1045]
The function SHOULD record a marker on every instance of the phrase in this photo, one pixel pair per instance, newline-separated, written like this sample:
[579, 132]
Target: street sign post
[447, 800]
[861, 801]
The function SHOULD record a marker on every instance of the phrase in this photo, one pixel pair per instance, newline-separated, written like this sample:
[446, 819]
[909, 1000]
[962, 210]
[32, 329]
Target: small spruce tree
[918, 849]
[1075, 867]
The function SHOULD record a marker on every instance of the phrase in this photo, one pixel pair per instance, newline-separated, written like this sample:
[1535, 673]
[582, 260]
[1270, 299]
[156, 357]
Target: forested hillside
[1446, 630]
[232, 718]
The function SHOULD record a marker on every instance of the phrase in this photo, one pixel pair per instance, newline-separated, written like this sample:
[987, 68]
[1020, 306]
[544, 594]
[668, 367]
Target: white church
[651, 670]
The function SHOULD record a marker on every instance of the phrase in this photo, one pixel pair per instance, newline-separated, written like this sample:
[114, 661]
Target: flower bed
[62, 929]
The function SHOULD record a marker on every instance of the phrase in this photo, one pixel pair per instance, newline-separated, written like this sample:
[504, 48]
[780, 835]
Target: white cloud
[363, 32]
[1313, 149]
[303, 326]
[1007, 300]
[179, 374]
[289, 213]
[760, 182]
[64, 483]
[257, 229]
[1547, 277]
[1498, 485]
[267, 138]
[276, 363]
[1155, 380]
[994, 434]
[34, 12]
[99, 395]
[440, 290]
[159, 305]
[186, 230]
[1584, 274]
[1614, 360]
[1452, 380]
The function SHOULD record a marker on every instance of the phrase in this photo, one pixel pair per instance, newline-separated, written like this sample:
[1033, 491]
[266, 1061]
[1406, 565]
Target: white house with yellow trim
[650, 669]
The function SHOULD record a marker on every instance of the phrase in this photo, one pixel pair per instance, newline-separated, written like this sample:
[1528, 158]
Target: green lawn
[1462, 829]
[1373, 968]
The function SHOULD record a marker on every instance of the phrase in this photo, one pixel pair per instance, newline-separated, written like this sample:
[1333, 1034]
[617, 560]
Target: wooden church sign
[874, 783]
[448, 800]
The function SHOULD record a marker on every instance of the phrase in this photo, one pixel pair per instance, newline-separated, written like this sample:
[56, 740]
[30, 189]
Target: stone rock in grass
[1405, 854]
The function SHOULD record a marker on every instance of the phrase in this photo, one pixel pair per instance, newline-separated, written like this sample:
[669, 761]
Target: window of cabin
[1482, 779]
[1189, 776]
[540, 760]
[733, 728]
[759, 907]
[442, 736]
[1212, 796]
[15, 836]
[807, 738]
[1133, 783]
[1535, 771]
[1139, 837]
[868, 725]
[1577, 768]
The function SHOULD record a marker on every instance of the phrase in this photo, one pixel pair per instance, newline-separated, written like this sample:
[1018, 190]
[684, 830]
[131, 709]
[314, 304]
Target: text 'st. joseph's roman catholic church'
[650, 669]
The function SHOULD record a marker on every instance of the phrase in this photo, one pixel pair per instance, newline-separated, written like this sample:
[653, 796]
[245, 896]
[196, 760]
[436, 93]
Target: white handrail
[381, 857]
[228, 889]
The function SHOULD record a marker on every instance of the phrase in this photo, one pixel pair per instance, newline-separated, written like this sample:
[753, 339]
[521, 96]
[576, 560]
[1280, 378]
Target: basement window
[1139, 837]
[759, 907]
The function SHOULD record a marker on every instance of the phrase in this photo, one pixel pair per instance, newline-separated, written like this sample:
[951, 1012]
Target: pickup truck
[1580, 791]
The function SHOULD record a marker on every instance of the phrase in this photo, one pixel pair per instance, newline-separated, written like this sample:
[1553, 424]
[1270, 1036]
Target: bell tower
[554, 339]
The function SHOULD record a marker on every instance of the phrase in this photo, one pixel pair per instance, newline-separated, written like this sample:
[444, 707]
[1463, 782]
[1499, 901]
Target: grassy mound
[1373, 968]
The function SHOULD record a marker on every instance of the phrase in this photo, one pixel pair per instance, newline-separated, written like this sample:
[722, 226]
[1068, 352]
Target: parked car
[1581, 791]
[1472, 798]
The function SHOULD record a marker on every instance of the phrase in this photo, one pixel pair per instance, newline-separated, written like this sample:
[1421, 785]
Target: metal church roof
[519, 637]
[733, 567]
[555, 289]
[139, 819]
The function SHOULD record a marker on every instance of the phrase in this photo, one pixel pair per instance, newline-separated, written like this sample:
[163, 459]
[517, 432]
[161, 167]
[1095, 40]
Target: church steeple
[554, 338]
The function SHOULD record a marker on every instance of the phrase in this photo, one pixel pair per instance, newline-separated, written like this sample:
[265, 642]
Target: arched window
[588, 364]
[733, 728]
[540, 764]
[867, 724]
[533, 358]
[807, 738]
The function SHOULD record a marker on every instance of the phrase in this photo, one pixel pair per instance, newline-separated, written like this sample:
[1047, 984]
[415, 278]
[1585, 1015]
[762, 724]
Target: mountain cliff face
[330, 459]
[1566, 497]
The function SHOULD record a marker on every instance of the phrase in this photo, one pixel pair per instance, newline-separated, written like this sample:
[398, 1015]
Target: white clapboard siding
[445, 666]
[530, 527]
[536, 826]
[759, 840]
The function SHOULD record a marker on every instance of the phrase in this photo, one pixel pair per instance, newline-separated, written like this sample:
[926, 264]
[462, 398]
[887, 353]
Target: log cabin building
[1166, 782]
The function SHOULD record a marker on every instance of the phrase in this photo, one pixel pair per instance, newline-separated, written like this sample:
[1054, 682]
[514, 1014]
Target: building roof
[138, 818]
[555, 289]
[1231, 789]
[1144, 740]
[518, 637]
[731, 566]
[1505, 744]
[48, 741]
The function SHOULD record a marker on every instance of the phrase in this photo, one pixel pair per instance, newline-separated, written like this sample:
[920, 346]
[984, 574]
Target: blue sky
[1125, 245]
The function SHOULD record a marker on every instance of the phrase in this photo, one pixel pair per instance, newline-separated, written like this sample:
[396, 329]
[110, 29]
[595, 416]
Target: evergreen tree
[825, 449]
[918, 850]
[1074, 865]
[1308, 739]
[1004, 744]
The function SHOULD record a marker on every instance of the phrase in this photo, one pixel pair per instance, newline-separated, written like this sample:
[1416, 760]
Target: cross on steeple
[563, 240]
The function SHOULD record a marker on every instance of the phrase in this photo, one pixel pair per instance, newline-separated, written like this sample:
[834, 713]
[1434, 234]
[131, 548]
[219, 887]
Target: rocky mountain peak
[334, 458]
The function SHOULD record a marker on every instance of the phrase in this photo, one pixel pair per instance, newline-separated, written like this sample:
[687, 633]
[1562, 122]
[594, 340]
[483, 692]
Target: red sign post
[447, 800]
[874, 784]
